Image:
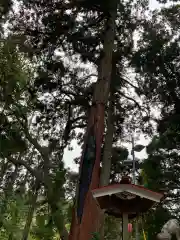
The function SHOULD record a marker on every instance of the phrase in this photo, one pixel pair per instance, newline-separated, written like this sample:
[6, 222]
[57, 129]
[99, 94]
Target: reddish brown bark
[90, 221]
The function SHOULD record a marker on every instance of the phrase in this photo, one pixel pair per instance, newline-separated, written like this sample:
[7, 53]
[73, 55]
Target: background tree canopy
[51, 55]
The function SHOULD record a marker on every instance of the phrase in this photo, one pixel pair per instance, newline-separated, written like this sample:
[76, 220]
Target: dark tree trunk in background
[30, 214]
[106, 160]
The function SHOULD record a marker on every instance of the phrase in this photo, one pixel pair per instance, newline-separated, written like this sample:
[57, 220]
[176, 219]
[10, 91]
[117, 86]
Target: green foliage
[155, 220]
[13, 77]
[43, 229]
[112, 228]
[11, 141]
[13, 219]
[154, 145]
[34, 106]
[119, 154]
[96, 236]
[13, 72]
[5, 7]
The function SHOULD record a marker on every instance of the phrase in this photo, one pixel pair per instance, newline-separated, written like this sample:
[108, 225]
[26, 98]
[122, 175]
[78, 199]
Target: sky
[76, 152]
[154, 4]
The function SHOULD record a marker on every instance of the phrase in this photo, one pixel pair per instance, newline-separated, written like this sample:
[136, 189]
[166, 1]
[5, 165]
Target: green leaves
[5, 7]
[42, 230]
[154, 145]
[119, 154]
[11, 140]
[13, 73]
[96, 236]
[155, 220]
[12, 216]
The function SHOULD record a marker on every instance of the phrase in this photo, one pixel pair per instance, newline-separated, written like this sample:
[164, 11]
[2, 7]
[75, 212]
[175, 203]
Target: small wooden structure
[125, 200]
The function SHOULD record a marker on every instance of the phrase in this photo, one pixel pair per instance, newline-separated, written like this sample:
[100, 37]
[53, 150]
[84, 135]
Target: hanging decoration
[129, 227]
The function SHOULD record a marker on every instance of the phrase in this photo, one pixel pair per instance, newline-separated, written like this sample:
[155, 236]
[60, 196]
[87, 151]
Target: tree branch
[25, 129]
[132, 85]
[33, 172]
[131, 99]
[43, 151]
[79, 126]
[88, 76]
[79, 118]
[68, 92]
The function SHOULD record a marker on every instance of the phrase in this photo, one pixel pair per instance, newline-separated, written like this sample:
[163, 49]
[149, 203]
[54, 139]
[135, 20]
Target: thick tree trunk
[106, 161]
[101, 91]
[90, 222]
[30, 216]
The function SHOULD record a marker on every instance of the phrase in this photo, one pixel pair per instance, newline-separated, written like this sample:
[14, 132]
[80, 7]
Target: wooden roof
[130, 188]
[132, 199]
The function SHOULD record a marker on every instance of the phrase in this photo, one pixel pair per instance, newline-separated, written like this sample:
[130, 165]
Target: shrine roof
[129, 188]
